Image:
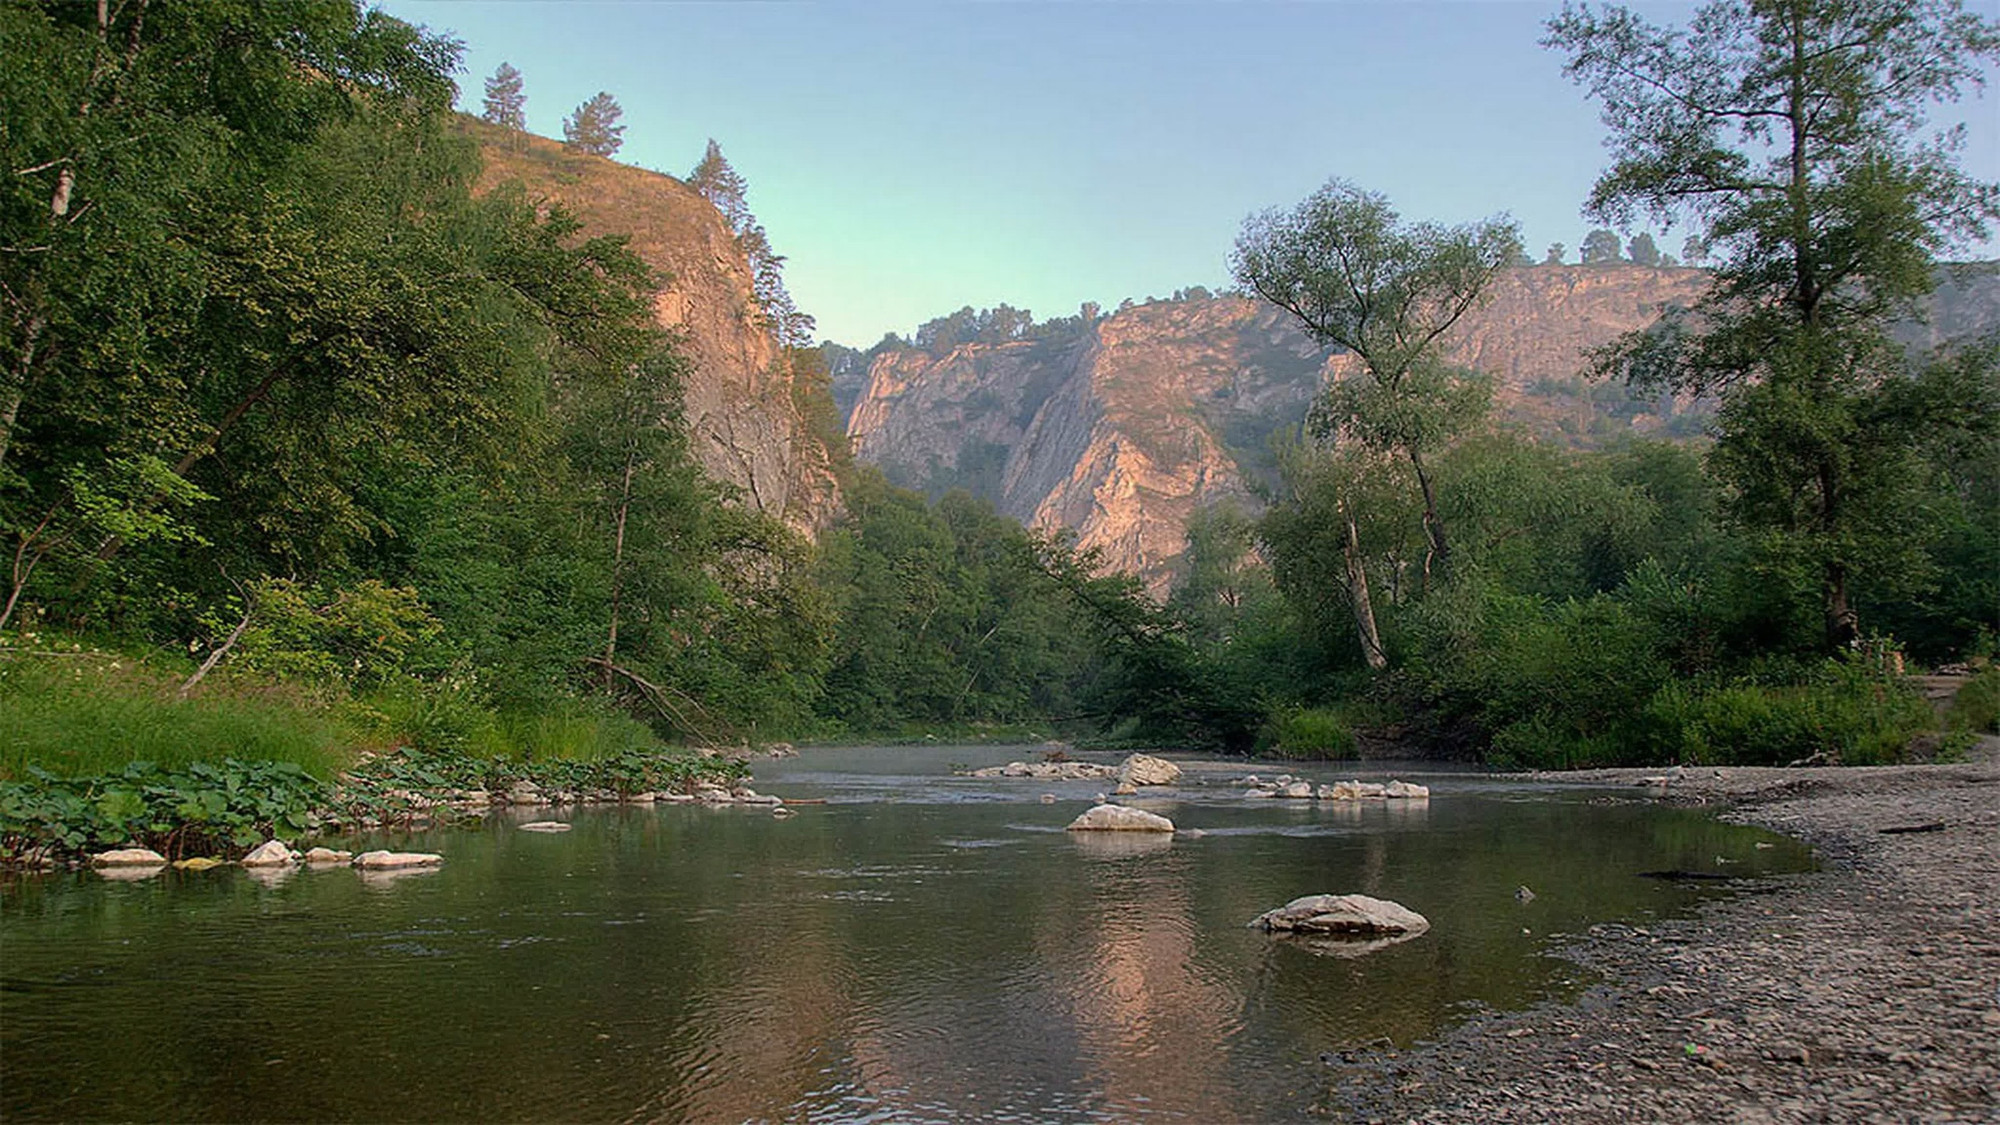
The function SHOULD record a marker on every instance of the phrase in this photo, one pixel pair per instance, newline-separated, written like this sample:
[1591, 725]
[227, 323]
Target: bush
[1307, 732]
[1843, 715]
[1977, 707]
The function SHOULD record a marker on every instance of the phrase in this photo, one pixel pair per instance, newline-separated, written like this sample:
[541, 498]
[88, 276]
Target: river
[922, 946]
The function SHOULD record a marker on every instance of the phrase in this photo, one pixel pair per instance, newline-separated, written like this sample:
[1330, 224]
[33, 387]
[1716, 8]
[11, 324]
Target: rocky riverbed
[1867, 991]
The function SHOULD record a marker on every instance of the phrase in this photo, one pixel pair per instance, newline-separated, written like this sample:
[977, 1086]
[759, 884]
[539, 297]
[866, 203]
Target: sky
[910, 158]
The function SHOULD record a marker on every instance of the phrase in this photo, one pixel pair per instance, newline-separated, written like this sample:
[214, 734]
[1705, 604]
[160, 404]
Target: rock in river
[389, 861]
[1120, 818]
[1359, 915]
[321, 856]
[1144, 769]
[270, 853]
[128, 857]
[545, 826]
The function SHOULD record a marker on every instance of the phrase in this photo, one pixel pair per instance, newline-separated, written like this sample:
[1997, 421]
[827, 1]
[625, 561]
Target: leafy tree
[1793, 135]
[1554, 257]
[1356, 277]
[1600, 248]
[594, 127]
[1641, 250]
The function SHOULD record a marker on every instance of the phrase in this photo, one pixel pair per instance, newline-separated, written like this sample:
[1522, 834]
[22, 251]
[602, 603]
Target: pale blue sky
[910, 158]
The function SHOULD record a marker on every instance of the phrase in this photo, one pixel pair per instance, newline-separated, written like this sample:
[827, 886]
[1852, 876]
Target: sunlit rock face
[743, 425]
[1119, 429]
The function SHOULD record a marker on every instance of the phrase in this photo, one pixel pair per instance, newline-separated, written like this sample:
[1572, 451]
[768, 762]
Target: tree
[1555, 255]
[1355, 276]
[505, 104]
[1793, 134]
[594, 127]
[1600, 248]
[1642, 251]
[721, 184]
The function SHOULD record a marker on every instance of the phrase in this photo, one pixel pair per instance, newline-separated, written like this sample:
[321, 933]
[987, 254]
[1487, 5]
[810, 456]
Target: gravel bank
[1868, 991]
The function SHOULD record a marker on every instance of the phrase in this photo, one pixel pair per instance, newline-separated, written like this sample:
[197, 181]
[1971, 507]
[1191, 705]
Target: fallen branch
[214, 658]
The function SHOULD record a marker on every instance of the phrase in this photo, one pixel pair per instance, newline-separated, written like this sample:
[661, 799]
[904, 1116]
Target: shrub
[1841, 715]
[1977, 707]
[1307, 732]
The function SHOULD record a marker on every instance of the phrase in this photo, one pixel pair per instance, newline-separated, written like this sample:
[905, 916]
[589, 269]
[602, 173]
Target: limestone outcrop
[737, 396]
[1118, 427]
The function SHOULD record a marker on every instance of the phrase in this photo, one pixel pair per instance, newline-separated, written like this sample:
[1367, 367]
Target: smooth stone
[1125, 789]
[1342, 914]
[1523, 894]
[390, 861]
[1144, 769]
[328, 855]
[1049, 771]
[1048, 798]
[1120, 818]
[1405, 790]
[200, 863]
[131, 873]
[545, 826]
[678, 798]
[128, 857]
[1297, 789]
[780, 812]
[270, 853]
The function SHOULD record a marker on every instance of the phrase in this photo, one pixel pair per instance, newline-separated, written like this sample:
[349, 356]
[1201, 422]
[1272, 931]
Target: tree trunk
[618, 570]
[1357, 594]
[1433, 526]
[1843, 625]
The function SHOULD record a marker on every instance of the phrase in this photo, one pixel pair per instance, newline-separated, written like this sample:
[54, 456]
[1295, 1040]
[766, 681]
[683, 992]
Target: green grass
[1314, 733]
[1977, 707]
[88, 713]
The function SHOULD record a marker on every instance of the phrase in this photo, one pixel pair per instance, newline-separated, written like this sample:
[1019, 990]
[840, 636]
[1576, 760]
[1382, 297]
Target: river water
[921, 947]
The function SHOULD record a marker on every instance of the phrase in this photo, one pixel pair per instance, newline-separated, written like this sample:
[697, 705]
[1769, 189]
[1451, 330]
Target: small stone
[390, 861]
[1125, 789]
[270, 853]
[780, 812]
[1406, 791]
[128, 857]
[545, 826]
[1048, 798]
[324, 856]
[199, 863]
[1297, 789]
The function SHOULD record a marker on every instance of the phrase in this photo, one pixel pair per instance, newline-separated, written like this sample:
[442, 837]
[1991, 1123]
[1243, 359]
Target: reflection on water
[950, 952]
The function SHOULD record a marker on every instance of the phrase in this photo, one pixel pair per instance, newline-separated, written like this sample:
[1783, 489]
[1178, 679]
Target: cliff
[1118, 427]
[743, 424]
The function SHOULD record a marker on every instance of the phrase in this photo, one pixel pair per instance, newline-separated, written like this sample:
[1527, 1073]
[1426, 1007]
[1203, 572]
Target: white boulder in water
[390, 861]
[1144, 769]
[128, 857]
[1120, 818]
[1359, 915]
[270, 853]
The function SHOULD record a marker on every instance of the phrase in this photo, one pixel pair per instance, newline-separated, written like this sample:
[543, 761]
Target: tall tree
[1794, 135]
[594, 127]
[721, 184]
[1642, 251]
[1355, 276]
[506, 105]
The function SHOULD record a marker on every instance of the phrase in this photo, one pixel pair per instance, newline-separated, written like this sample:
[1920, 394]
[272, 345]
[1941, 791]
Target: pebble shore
[1866, 991]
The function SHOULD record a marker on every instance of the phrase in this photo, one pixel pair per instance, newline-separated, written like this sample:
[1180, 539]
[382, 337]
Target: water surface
[921, 947]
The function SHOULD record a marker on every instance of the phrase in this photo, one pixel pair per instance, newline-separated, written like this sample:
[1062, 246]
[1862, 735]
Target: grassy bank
[100, 748]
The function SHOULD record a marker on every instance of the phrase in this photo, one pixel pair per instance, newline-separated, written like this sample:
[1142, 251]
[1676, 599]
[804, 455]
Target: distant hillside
[1118, 426]
[738, 400]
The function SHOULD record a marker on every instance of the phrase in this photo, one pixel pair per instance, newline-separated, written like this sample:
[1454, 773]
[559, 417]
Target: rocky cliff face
[743, 425]
[1119, 429]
